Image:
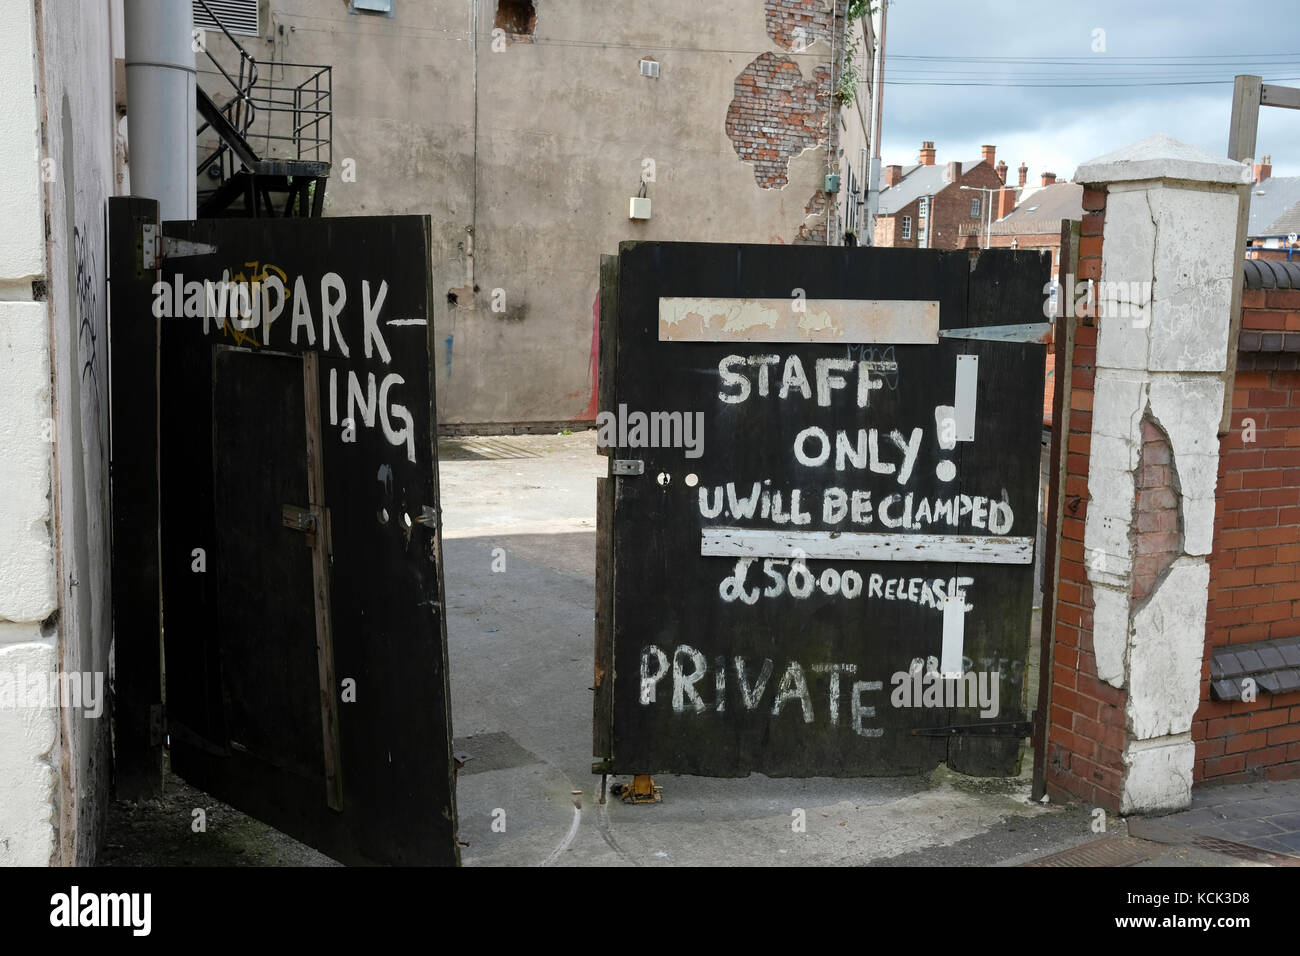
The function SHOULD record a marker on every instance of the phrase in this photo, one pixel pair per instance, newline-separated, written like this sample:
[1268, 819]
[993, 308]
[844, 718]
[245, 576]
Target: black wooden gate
[821, 509]
[300, 557]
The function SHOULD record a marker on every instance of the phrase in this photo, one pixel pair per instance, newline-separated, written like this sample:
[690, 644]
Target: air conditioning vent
[237, 16]
[650, 68]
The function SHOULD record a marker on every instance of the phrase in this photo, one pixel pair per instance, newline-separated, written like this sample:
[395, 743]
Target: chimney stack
[927, 153]
[1263, 170]
[1002, 171]
[954, 173]
[1006, 201]
[893, 175]
[1049, 178]
[1024, 173]
[988, 153]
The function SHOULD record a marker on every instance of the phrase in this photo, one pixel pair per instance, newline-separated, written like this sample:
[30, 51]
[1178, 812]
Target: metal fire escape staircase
[289, 116]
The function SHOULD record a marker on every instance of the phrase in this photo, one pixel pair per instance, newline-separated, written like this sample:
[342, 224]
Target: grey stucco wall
[537, 147]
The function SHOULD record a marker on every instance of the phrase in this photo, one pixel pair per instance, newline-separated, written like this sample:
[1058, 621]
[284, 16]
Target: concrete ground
[519, 563]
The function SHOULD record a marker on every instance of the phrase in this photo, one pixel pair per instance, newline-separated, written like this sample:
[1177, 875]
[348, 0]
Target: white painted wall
[28, 736]
[56, 78]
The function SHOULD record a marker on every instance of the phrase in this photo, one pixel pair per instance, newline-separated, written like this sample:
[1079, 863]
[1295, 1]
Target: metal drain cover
[1108, 851]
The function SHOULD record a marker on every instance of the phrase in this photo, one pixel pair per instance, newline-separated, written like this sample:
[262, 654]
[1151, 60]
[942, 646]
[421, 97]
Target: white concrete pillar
[1162, 348]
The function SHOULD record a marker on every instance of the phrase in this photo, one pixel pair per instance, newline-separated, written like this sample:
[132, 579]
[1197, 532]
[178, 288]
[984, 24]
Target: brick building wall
[1255, 567]
[951, 208]
[949, 211]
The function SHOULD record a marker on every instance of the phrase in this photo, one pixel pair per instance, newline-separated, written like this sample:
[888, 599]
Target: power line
[1071, 86]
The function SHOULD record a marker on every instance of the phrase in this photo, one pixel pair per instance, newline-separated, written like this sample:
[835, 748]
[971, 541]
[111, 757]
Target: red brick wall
[1086, 722]
[1255, 567]
[889, 229]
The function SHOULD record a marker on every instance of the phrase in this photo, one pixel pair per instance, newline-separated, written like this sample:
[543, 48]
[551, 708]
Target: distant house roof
[1285, 224]
[1272, 201]
[918, 181]
[1042, 212]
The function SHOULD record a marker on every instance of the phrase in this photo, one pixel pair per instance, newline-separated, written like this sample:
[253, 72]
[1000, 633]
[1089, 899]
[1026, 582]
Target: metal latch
[299, 519]
[629, 466]
[1016, 728]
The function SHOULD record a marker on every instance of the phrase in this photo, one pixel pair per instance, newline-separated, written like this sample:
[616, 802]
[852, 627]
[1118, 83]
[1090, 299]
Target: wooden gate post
[133, 336]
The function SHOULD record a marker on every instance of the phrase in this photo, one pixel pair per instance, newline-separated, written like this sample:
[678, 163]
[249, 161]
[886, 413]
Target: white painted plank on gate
[954, 635]
[863, 546]
[847, 321]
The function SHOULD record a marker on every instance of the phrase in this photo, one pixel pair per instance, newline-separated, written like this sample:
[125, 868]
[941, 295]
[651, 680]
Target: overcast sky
[1057, 129]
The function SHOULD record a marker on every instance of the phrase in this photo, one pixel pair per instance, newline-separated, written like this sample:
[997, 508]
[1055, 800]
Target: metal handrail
[309, 131]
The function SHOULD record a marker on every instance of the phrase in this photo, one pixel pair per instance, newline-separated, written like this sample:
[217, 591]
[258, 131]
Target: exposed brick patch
[518, 18]
[797, 24]
[776, 114]
[1157, 512]
[814, 235]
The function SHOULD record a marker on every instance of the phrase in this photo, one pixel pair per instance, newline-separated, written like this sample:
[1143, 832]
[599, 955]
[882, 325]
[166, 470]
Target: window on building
[975, 208]
[907, 227]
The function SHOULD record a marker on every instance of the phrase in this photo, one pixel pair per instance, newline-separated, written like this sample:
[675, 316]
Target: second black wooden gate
[300, 556]
[816, 540]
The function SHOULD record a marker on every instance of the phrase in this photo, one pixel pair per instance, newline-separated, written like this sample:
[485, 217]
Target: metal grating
[482, 449]
[1241, 851]
[1107, 851]
[237, 16]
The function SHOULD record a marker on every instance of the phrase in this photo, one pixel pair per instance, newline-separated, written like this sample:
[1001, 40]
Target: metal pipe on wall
[160, 80]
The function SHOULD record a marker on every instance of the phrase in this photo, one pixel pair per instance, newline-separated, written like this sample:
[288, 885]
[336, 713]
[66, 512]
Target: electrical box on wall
[832, 183]
[639, 208]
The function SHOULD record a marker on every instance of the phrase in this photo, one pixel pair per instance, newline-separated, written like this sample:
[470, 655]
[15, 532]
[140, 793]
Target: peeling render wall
[1160, 219]
[526, 154]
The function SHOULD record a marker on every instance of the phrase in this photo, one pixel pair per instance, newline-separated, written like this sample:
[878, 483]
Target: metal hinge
[628, 466]
[1032, 332]
[155, 247]
[1016, 728]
